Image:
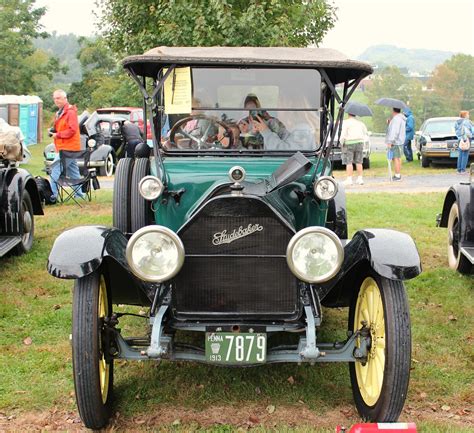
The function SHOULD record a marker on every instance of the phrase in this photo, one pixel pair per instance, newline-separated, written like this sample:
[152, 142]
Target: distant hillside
[65, 48]
[415, 60]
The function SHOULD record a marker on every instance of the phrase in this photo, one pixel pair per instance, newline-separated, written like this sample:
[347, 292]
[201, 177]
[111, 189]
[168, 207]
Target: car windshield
[246, 109]
[445, 127]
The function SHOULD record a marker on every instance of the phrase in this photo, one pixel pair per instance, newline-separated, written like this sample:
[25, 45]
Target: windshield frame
[160, 113]
[331, 124]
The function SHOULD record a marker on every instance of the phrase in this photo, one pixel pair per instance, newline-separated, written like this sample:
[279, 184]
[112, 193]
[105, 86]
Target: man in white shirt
[353, 134]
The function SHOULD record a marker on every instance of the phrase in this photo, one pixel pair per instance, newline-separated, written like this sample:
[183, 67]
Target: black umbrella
[391, 102]
[358, 109]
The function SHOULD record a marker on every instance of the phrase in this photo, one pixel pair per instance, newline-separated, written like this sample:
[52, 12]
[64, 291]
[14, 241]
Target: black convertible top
[338, 67]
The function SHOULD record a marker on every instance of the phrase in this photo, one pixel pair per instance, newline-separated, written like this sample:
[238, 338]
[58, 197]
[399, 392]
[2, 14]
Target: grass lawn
[35, 354]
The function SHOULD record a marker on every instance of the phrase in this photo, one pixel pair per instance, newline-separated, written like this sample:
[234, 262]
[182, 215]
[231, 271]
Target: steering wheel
[203, 134]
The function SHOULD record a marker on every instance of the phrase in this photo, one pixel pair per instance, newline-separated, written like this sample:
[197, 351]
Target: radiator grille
[245, 277]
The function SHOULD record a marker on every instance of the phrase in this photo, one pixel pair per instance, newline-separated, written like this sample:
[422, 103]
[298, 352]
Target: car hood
[196, 180]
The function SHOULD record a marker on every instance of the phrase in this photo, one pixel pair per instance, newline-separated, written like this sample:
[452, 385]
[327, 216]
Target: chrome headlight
[91, 143]
[315, 254]
[150, 187]
[155, 253]
[325, 188]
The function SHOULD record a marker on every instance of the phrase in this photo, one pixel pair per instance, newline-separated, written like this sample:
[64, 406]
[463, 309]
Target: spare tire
[141, 213]
[122, 195]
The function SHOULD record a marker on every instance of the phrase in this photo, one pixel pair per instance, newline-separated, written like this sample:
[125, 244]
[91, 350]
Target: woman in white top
[352, 139]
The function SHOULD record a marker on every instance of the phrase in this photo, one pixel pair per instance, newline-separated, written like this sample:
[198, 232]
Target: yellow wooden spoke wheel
[369, 309]
[380, 382]
[93, 373]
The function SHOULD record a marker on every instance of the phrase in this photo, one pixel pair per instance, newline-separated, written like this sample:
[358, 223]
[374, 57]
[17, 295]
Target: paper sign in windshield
[178, 97]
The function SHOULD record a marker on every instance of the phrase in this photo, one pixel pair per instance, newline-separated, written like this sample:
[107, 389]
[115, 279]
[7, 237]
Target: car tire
[425, 162]
[383, 304]
[366, 163]
[141, 213]
[27, 217]
[122, 195]
[108, 168]
[93, 373]
[456, 260]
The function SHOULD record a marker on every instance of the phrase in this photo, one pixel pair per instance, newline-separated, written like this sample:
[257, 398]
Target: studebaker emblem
[222, 237]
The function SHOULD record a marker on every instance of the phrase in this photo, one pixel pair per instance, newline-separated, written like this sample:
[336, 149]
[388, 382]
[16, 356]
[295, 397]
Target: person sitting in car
[250, 127]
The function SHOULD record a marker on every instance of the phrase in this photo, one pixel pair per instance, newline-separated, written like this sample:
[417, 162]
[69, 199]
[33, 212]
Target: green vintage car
[234, 230]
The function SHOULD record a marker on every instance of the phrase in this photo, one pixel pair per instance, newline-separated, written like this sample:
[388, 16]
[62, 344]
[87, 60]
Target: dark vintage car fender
[82, 250]
[13, 181]
[463, 194]
[101, 152]
[389, 253]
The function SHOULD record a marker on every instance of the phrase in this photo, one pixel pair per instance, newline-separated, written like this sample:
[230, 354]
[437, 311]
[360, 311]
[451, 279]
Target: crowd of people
[398, 139]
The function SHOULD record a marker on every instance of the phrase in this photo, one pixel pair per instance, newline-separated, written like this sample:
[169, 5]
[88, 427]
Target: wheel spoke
[363, 310]
[370, 304]
[381, 343]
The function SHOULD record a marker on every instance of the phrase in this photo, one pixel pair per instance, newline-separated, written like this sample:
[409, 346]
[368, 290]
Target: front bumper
[444, 153]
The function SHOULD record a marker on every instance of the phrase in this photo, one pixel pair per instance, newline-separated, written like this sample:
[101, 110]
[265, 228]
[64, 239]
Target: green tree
[390, 82]
[453, 82]
[133, 26]
[104, 83]
[22, 68]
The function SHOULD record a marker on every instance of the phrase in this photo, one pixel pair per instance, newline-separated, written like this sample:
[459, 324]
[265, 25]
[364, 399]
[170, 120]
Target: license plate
[51, 155]
[454, 153]
[236, 348]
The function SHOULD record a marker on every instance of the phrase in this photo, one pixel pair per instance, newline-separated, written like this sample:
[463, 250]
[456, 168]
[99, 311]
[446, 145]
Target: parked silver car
[437, 141]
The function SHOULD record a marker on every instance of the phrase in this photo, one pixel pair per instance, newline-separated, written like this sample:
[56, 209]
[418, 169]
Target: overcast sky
[431, 24]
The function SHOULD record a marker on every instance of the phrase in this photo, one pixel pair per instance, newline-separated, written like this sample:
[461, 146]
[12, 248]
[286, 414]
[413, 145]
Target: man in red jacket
[66, 136]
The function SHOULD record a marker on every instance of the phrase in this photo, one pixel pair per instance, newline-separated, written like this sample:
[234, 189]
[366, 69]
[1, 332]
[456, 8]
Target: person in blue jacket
[464, 131]
[409, 134]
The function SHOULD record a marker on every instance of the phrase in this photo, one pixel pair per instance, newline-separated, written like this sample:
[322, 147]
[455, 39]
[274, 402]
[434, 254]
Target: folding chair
[71, 188]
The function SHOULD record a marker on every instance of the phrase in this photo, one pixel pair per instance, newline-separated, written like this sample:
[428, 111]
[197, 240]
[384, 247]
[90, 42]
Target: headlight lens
[325, 188]
[91, 142]
[315, 254]
[150, 187]
[155, 253]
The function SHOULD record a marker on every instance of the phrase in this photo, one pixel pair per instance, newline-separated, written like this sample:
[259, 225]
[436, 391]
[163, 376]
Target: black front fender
[82, 250]
[389, 253]
[79, 251]
[100, 154]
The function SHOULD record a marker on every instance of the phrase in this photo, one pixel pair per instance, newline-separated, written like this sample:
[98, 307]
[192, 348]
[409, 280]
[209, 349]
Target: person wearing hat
[353, 135]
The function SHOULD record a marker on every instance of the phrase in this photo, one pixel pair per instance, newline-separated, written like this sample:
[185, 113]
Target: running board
[468, 253]
[7, 243]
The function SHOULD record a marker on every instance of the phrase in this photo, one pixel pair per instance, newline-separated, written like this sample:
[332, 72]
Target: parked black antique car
[234, 231]
[458, 217]
[101, 132]
[19, 202]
